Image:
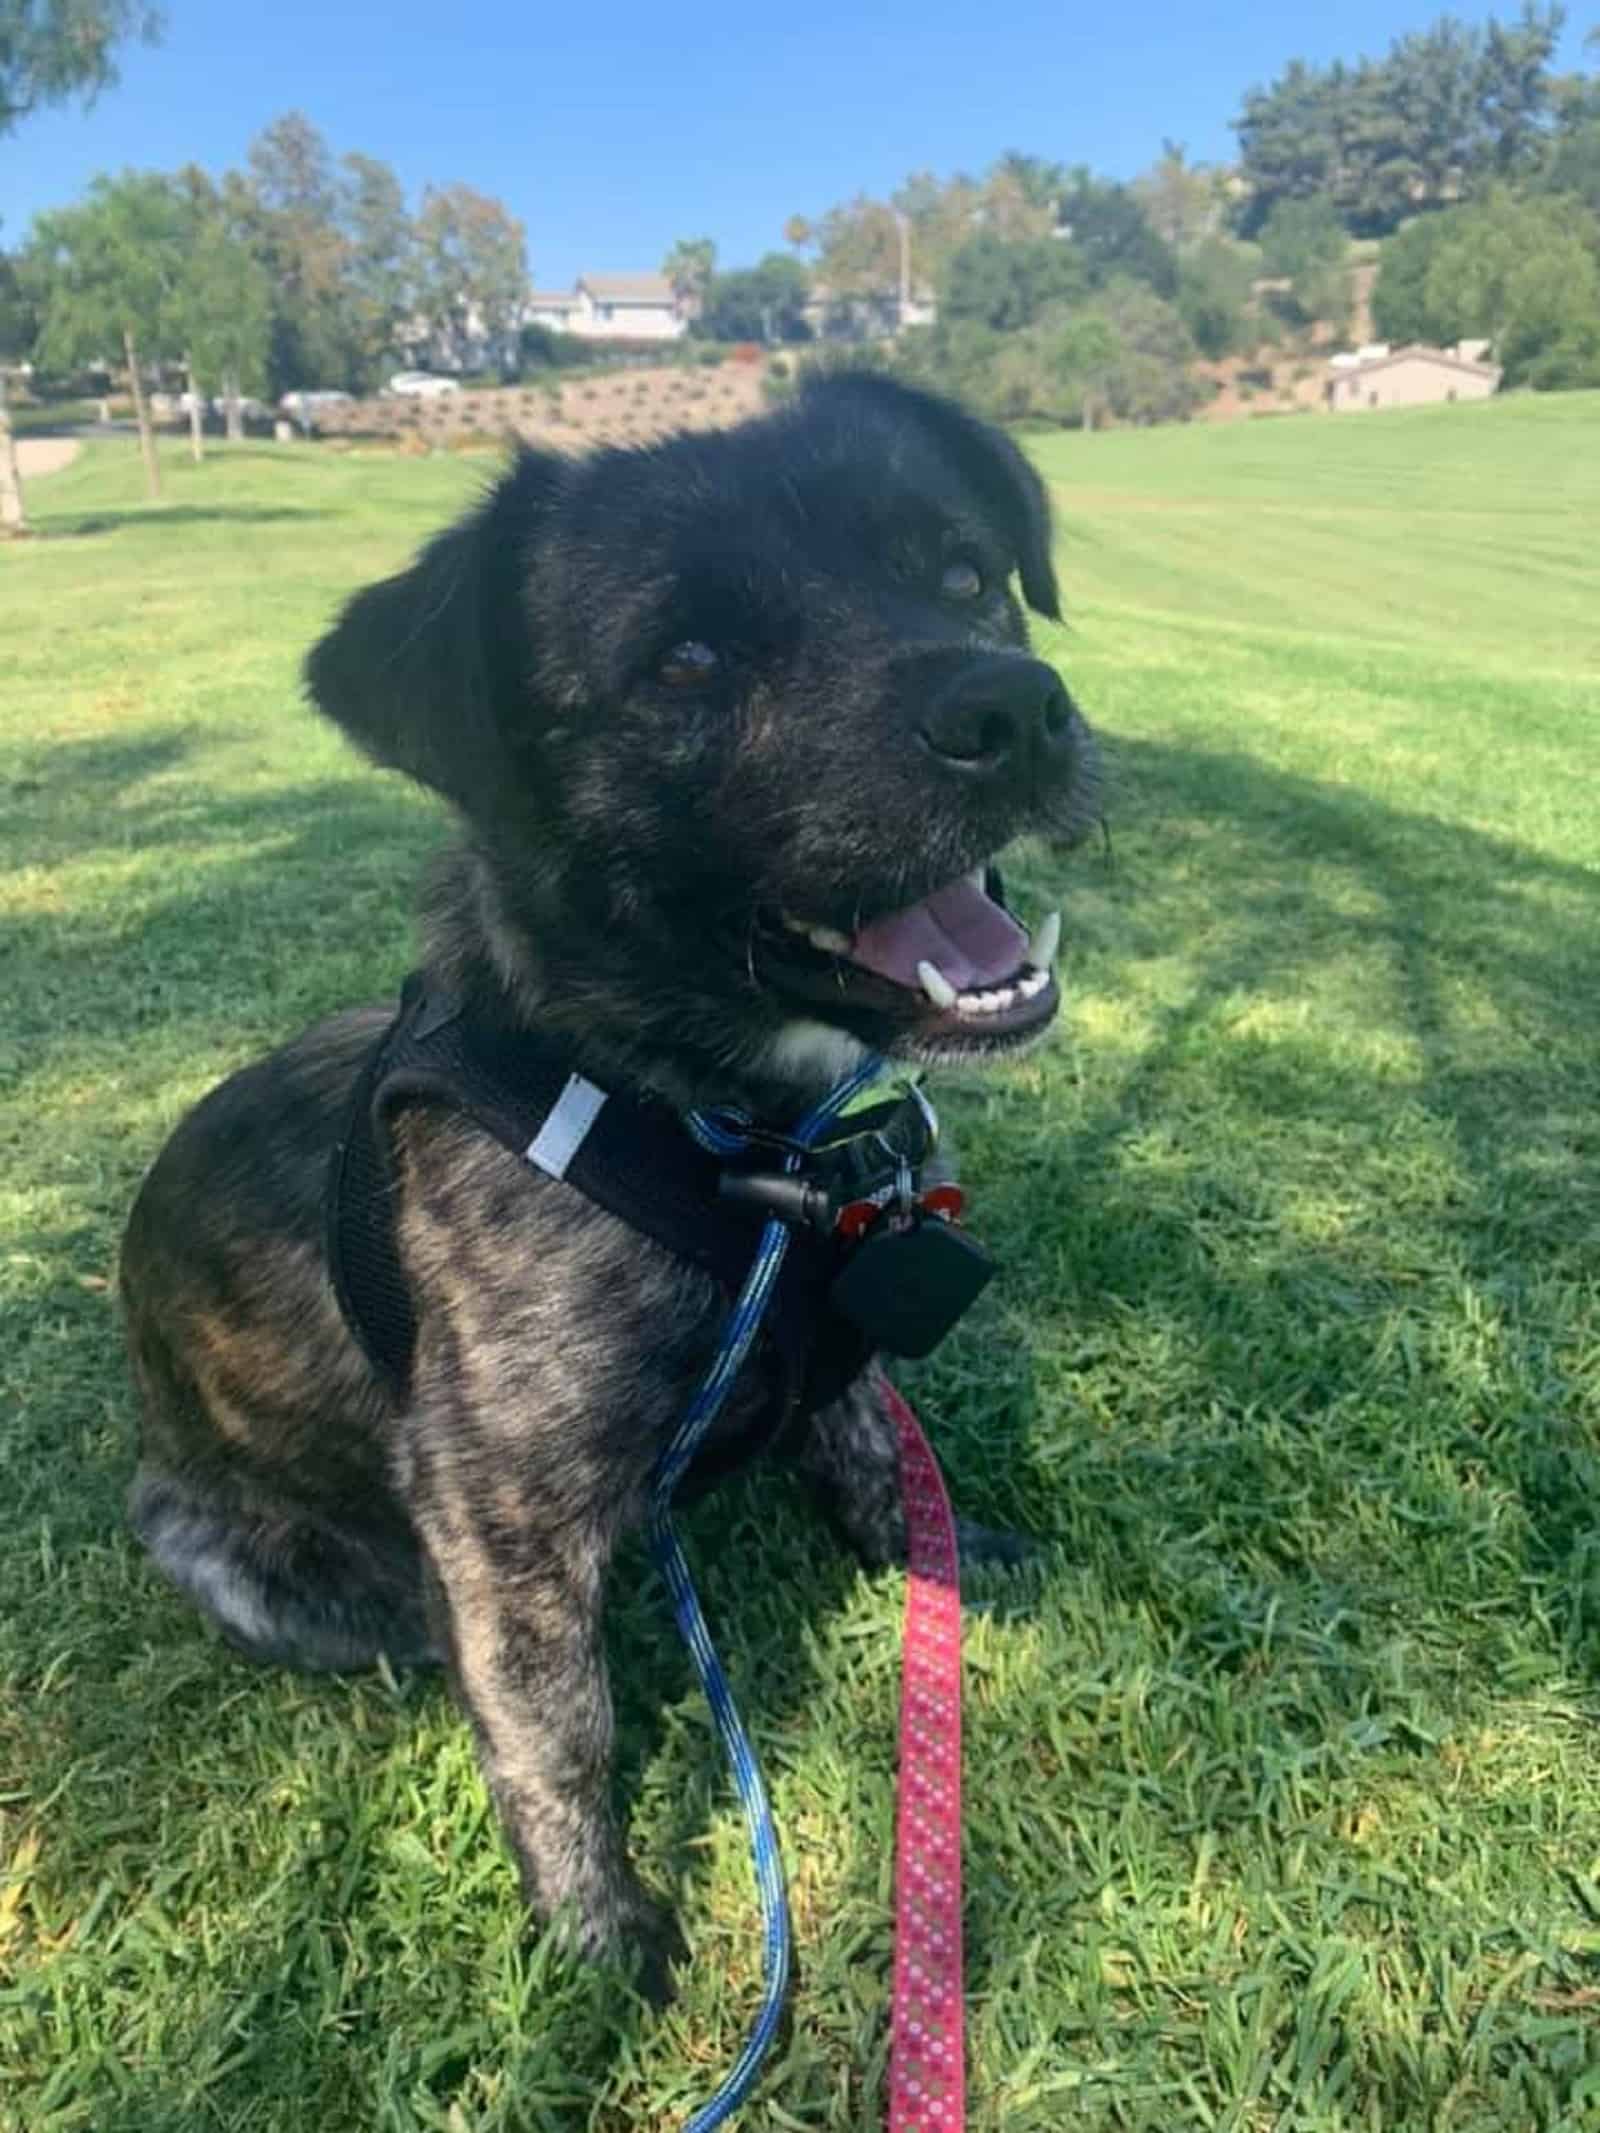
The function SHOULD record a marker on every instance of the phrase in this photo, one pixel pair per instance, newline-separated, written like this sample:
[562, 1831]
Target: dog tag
[906, 1287]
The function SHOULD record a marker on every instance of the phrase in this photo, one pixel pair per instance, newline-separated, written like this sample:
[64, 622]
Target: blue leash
[720, 1133]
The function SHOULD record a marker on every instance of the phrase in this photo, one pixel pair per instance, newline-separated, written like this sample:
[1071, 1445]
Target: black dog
[735, 726]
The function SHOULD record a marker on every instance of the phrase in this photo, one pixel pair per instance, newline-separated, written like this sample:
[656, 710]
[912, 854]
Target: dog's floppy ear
[1002, 476]
[425, 670]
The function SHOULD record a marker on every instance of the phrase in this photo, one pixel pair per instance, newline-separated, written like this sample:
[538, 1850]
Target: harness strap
[630, 1154]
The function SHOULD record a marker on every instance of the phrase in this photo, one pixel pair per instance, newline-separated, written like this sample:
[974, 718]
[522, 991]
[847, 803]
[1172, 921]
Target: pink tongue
[960, 929]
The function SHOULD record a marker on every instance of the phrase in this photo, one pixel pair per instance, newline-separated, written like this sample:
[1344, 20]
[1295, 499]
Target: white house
[612, 307]
[1412, 376]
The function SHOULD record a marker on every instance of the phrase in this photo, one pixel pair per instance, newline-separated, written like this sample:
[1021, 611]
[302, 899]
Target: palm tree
[690, 266]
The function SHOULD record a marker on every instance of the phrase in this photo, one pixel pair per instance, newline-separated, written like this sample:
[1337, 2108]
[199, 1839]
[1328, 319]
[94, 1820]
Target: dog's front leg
[517, 1596]
[851, 1456]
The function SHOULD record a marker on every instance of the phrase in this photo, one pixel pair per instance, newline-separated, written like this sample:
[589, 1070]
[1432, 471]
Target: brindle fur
[618, 844]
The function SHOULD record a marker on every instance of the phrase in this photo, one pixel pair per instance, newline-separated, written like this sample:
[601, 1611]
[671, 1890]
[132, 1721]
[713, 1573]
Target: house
[612, 307]
[1413, 376]
[554, 308]
[877, 317]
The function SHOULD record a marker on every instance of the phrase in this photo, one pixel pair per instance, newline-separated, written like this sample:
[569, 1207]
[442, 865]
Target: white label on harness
[562, 1134]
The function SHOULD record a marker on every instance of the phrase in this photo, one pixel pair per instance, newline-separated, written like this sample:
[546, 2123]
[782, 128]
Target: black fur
[634, 844]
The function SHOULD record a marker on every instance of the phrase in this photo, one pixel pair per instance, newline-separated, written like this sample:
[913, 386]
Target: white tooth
[1004, 997]
[988, 1001]
[1046, 942]
[936, 985]
[829, 941]
[978, 876]
[1034, 984]
[968, 1003]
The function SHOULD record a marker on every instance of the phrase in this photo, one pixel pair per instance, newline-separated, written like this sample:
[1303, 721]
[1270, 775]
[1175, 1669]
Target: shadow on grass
[1479, 954]
[69, 525]
[91, 773]
[1453, 923]
[84, 796]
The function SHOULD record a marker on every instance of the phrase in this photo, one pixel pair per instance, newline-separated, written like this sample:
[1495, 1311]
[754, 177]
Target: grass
[1284, 1789]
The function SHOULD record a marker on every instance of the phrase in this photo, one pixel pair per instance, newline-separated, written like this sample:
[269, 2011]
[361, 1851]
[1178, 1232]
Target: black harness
[633, 1156]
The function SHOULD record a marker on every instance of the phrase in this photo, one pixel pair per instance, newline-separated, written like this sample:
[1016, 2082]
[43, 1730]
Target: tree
[1443, 114]
[1006, 287]
[764, 303]
[339, 249]
[1020, 197]
[1524, 272]
[221, 309]
[1303, 243]
[1423, 154]
[380, 274]
[1574, 165]
[690, 267]
[109, 271]
[19, 327]
[1288, 147]
[1151, 378]
[1112, 234]
[54, 50]
[1182, 201]
[1400, 310]
[939, 216]
[473, 270]
[289, 206]
[798, 232]
[859, 248]
[1216, 278]
[1082, 354]
[1514, 86]
[1124, 354]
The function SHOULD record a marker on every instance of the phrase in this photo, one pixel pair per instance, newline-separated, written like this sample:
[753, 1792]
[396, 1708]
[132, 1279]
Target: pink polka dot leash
[927, 2065]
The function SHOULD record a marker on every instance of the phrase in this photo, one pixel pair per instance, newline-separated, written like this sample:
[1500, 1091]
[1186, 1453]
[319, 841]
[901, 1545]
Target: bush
[1215, 285]
[542, 348]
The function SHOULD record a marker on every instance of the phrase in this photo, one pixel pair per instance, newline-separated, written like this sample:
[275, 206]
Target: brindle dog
[735, 726]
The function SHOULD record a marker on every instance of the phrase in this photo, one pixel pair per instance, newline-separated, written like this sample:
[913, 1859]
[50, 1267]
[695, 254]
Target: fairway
[1283, 1762]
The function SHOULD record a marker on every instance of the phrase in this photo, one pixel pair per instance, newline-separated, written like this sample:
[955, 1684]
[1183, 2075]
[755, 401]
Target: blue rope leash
[721, 1134]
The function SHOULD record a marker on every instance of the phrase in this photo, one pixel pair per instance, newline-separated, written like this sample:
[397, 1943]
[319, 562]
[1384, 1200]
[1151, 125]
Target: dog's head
[739, 723]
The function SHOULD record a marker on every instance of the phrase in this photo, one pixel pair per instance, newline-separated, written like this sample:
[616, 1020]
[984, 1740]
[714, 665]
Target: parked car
[421, 384]
[253, 410]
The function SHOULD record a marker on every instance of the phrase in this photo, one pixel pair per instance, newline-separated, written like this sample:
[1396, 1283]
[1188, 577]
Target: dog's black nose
[1001, 715]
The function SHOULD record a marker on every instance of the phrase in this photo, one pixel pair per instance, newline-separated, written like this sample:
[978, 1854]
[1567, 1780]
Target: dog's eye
[962, 580]
[687, 666]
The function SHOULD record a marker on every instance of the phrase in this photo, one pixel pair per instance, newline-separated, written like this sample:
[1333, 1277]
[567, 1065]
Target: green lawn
[1284, 1768]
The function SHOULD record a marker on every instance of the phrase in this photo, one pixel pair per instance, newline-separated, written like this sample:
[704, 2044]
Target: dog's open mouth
[955, 969]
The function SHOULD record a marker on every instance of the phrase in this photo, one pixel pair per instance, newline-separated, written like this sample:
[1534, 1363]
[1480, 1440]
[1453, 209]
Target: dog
[735, 725]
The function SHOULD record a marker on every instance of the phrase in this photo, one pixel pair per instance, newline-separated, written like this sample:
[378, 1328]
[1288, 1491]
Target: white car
[421, 384]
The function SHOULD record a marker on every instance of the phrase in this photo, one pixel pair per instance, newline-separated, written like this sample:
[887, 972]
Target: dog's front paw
[652, 1947]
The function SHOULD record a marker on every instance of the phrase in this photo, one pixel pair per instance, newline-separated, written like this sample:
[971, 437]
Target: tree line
[1048, 292]
[303, 269]
[1460, 159]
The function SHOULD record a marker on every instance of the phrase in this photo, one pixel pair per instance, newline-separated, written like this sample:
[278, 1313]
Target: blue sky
[612, 129]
